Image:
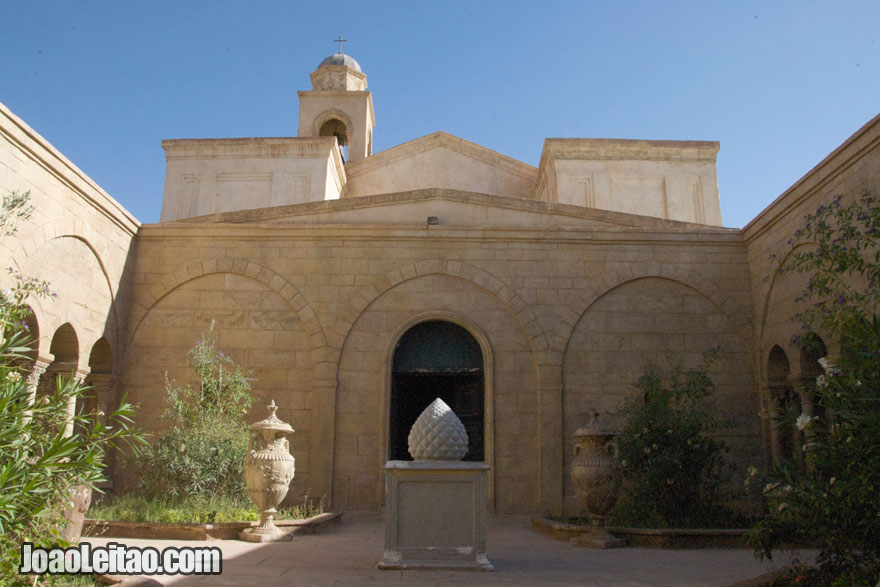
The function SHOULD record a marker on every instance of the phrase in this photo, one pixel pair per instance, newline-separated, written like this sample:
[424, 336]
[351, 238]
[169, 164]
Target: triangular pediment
[440, 160]
[452, 209]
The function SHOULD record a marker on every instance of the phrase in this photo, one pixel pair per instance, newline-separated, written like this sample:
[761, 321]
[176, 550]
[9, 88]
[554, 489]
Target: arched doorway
[435, 359]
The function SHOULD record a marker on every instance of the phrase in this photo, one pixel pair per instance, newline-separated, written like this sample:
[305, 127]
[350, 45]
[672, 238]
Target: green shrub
[40, 463]
[671, 462]
[831, 496]
[202, 450]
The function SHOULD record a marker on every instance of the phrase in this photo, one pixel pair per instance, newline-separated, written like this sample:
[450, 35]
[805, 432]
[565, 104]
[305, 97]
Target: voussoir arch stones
[738, 313]
[479, 277]
[33, 239]
[146, 300]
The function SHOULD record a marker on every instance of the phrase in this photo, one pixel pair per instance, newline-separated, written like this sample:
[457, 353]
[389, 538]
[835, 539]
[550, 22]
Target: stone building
[360, 286]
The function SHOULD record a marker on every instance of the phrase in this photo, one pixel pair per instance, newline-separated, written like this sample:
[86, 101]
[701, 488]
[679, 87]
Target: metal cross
[340, 40]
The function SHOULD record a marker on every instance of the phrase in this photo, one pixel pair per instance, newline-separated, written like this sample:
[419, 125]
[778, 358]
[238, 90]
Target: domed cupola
[341, 59]
[339, 72]
[339, 105]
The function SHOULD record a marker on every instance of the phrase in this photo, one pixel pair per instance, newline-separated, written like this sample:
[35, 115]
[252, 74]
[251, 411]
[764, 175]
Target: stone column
[102, 391]
[79, 377]
[803, 389]
[771, 411]
[33, 381]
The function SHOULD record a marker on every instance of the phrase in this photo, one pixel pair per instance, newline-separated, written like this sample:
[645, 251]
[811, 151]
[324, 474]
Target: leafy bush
[202, 451]
[831, 497]
[40, 462]
[671, 462]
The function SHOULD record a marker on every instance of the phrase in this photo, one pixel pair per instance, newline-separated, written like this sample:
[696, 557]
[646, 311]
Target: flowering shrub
[202, 451]
[671, 462]
[40, 463]
[831, 497]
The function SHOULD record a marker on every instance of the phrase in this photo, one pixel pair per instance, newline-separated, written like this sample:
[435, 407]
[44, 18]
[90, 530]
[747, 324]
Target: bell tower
[339, 105]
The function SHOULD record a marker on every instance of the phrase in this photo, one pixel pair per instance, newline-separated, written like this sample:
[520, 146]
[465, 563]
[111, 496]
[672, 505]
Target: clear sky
[780, 84]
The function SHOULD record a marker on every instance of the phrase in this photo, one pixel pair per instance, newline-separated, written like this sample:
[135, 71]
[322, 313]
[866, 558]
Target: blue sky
[780, 84]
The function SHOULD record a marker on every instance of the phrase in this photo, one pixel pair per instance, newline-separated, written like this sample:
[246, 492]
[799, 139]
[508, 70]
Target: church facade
[358, 286]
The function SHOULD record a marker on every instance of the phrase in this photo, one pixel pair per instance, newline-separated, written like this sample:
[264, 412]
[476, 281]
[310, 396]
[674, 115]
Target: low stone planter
[223, 531]
[650, 537]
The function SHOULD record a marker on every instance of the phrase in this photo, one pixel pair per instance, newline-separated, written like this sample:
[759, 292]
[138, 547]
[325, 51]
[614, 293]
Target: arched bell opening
[336, 128]
[785, 440]
[435, 359]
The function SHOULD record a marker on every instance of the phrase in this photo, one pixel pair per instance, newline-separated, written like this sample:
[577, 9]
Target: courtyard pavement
[348, 553]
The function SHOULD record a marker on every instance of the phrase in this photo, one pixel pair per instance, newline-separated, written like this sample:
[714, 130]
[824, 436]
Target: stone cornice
[371, 232]
[29, 142]
[838, 161]
[338, 69]
[273, 214]
[334, 93]
[629, 150]
[438, 140]
[271, 147]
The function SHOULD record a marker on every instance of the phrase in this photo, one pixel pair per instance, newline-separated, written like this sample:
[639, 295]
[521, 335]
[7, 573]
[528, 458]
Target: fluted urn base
[598, 536]
[267, 531]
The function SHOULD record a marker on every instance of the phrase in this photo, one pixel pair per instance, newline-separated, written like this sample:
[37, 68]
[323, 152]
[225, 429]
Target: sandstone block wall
[851, 170]
[78, 239]
[339, 298]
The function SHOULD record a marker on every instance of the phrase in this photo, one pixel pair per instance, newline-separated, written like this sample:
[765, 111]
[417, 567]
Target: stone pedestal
[435, 515]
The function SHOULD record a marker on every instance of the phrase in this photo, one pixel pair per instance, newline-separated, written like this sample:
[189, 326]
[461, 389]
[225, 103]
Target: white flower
[821, 382]
[13, 377]
[828, 366]
[803, 421]
[832, 481]
[753, 471]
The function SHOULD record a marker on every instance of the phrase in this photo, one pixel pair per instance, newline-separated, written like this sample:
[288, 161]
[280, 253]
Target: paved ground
[347, 555]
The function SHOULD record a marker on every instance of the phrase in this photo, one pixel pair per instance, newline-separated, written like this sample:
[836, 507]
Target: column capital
[37, 369]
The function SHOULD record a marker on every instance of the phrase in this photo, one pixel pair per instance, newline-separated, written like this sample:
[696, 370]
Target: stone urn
[268, 470]
[596, 475]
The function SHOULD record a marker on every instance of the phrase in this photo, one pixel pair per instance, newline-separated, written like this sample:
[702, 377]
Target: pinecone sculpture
[438, 435]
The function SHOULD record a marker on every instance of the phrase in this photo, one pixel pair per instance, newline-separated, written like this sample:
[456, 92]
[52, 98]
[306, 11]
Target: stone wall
[78, 239]
[341, 296]
[851, 170]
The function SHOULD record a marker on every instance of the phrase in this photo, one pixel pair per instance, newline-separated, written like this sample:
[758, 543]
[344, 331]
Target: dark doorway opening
[436, 359]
